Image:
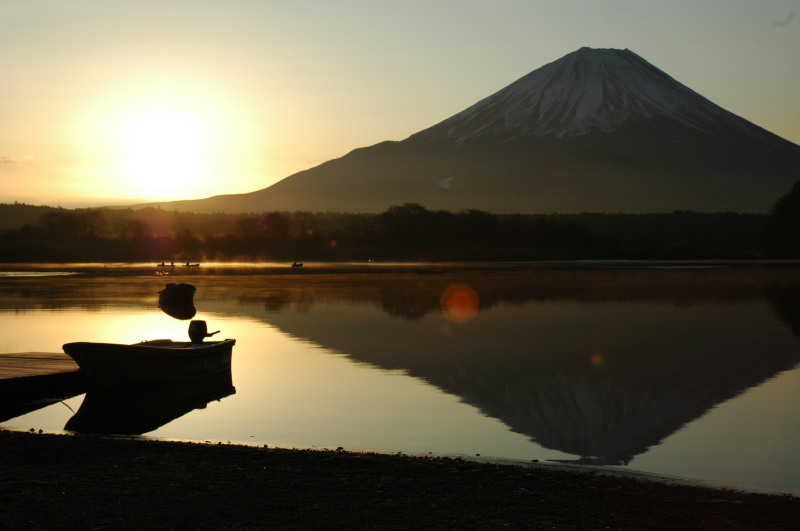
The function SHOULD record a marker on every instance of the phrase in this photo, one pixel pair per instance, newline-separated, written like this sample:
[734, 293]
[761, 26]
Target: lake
[683, 370]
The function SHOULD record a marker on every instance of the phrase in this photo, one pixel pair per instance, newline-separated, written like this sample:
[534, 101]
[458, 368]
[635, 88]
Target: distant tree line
[407, 232]
[782, 233]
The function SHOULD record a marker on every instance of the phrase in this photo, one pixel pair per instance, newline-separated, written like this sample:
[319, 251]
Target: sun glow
[165, 153]
[168, 142]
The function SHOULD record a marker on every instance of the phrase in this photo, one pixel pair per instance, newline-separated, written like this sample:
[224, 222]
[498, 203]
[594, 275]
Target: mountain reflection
[597, 363]
[601, 366]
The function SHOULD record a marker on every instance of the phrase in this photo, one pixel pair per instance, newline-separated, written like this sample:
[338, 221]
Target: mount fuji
[599, 130]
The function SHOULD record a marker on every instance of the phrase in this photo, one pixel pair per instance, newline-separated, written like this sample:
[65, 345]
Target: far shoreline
[356, 267]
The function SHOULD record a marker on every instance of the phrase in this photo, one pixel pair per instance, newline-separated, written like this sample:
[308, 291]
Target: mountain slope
[597, 130]
[585, 91]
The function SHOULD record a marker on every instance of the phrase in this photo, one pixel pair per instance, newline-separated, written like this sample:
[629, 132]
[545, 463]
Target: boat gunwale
[168, 345]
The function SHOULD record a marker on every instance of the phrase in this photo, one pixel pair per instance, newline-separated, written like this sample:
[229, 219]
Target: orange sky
[106, 101]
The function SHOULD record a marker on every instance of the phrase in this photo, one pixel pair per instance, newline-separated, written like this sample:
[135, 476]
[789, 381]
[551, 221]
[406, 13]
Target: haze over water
[688, 372]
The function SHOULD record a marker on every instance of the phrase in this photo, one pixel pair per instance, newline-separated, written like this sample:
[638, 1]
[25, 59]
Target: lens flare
[459, 303]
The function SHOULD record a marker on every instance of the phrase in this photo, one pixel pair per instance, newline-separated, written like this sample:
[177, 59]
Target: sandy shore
[84, 482]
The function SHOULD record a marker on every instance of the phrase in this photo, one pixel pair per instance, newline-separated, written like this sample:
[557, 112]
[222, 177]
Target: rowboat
[112, 365]
[173, 293]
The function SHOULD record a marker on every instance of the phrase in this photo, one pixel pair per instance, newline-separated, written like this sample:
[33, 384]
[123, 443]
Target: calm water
[687, 372]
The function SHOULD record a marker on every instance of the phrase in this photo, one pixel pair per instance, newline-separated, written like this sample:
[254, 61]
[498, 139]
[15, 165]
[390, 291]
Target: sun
[168, 141]
[164, 153]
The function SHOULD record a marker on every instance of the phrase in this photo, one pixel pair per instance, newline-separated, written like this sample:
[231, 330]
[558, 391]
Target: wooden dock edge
[32, 380]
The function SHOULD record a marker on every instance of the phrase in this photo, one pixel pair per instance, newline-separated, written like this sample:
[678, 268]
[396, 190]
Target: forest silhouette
[407, 232]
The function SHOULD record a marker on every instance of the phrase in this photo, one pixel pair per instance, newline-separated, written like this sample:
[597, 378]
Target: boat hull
[110, 365]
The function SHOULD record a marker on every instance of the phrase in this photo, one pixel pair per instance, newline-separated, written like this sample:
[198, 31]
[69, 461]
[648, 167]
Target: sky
[106, 102]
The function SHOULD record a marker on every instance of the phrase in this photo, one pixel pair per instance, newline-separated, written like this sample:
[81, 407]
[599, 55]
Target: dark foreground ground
[80, 482]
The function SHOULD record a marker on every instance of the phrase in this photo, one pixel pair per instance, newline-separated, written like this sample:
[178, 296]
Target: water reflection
[785, 302]
[134, 411]
[21, 398]
[599, 365]
[603, 367]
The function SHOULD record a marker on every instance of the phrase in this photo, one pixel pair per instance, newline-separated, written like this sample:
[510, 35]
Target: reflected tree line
[407, 232]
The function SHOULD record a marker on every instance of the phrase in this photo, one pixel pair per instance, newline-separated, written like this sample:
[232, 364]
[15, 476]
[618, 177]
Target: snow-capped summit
[599, 130]
[584, 91]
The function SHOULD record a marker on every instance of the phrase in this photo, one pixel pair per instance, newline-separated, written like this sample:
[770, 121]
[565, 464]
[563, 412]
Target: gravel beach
[84, 482]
